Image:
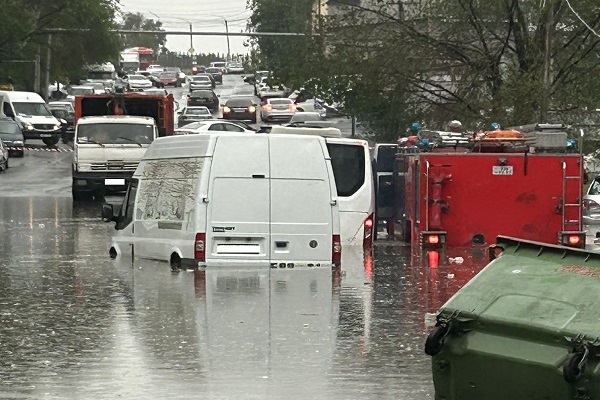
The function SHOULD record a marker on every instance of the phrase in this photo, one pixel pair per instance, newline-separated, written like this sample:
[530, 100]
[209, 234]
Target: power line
[581, 19]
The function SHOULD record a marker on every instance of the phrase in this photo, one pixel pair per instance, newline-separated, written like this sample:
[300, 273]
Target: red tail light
[267, 107]
[195, 69]
[226, 110]
[433, 239]
[336, 250]
[368, 232]
[573, 239]
[189, 100]
[200, 247]
[292, 107]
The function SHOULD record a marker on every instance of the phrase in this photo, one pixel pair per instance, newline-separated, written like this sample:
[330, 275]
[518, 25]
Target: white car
[200, 82]
[211, 126]
[235, 67]
[155, 69]
[591, 203]
[219, 64]
[136, 82]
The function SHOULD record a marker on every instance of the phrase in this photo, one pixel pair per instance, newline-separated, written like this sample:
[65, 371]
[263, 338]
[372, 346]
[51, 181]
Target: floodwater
[76, 325]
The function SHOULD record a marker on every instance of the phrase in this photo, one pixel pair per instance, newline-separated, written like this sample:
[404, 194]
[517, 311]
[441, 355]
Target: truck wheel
[50, 141]
[176, 263]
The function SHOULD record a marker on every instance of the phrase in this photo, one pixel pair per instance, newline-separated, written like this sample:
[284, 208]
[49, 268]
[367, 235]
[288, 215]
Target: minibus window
[128, 205]
[348, 163]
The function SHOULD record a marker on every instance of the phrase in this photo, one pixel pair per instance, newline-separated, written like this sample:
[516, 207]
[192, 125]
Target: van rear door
[238, 216]
[301, 202]
[350, 159]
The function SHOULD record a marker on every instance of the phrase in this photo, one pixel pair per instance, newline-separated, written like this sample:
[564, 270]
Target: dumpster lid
[534, 284]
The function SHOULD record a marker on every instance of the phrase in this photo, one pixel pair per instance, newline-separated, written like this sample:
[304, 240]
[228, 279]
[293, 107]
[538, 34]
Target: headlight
[28, 126]
[17, 143]
[84, 167]
[57, 126]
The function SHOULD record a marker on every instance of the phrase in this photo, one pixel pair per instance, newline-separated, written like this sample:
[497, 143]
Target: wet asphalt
[75, 324]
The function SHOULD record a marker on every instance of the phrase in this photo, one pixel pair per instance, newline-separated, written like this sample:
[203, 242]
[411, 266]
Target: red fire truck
[463, 191]
[158, 106]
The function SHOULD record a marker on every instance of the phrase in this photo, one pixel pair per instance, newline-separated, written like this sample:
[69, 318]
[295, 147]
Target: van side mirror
[108, 213]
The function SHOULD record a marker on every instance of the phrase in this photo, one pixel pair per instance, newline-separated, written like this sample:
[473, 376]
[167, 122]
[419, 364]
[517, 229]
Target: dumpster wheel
[574, 366]
[435, 340]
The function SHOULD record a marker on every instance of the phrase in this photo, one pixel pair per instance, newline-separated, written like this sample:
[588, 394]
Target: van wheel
[176, 263]
[80, 196]
[112, 253]
[50, 141]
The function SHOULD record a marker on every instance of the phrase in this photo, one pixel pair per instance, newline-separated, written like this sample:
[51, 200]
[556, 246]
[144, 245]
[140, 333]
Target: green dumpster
[526, 327]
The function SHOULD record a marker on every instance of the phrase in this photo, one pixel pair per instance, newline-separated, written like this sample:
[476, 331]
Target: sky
[204, 15]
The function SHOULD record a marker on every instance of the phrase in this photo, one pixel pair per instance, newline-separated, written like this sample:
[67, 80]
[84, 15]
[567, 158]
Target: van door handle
[258, 176]
[281, 245]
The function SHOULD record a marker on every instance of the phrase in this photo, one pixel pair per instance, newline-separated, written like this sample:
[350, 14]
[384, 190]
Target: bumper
[35, 134]
[240, 116]
[283, 116]
[112, 182]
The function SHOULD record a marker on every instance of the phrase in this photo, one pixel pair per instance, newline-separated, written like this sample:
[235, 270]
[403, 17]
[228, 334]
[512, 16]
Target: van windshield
[115, 133]
[348, 163]
[39, 109]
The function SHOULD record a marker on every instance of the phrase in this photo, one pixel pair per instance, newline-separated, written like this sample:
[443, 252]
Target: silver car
[3, 156]
[277, 109]
[200, 82]
[591, 203]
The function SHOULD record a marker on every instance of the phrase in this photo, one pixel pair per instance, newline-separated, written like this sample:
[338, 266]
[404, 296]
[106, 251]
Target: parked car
[207, 98]
[211, 126]
[180, 74]
[198, 69]
[3, 156]
[306, 116]
[277, 109]
[591, 203]
[155, 69]
[240, 107]
[200, 82]
[222, 65]
[169, 79]
[217, 74]
[11, 135]
[137, 82]
[235, 67]
[67, 120]
[193, 114]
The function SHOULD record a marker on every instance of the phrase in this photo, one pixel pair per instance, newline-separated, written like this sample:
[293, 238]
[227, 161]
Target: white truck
[129, 61]
[106, 152]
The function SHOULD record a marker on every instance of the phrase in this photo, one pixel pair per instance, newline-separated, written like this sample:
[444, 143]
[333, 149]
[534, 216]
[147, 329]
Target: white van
[106, 151]
[351, 162]
[231, 199]
[32, 113]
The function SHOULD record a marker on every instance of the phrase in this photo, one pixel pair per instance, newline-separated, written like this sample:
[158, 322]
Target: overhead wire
[581, 19]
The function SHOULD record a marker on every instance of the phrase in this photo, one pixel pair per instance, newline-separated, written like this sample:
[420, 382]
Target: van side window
[126, 214]
[348, 164]
[7, 110]
[595, 188]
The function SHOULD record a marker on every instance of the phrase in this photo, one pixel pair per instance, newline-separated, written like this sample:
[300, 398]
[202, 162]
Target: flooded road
[75, 324]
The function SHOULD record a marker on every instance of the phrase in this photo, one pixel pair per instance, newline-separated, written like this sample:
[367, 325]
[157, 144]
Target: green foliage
[137, 22]
[23, 36]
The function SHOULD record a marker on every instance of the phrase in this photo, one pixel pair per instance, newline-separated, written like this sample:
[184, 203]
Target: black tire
[112, 253]
[51, 141]
[6, 165]
[571, 371]
[80, 196]
[21, 153]
[435, 340]
[176, 265]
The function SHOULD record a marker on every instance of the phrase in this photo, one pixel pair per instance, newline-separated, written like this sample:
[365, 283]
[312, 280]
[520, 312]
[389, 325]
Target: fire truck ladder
[577, 205]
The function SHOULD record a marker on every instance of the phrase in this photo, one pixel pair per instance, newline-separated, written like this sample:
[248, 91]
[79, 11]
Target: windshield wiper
[90, 141]
[131, 140]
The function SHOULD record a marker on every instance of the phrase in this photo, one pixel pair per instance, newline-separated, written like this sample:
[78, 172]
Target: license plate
[502, 170]
[114, 182]
[45, 135]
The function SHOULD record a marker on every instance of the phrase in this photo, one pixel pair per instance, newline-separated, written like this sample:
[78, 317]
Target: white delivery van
[229, 199]
[106, 152]
[31, 112]
[351, 162]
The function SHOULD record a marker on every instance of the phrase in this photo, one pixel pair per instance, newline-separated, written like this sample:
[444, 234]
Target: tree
[23, 34]
[137, 22]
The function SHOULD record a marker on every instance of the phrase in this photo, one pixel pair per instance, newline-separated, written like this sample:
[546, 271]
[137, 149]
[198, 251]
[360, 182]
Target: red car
[170, 79]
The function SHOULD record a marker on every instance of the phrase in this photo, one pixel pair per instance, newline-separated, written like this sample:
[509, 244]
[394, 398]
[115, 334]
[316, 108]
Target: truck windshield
[38, 109]
[115, 133]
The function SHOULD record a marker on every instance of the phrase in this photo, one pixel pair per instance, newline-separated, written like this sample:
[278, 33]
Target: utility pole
[48, 55]
[228, 48]
[547, 78]
[36, 74]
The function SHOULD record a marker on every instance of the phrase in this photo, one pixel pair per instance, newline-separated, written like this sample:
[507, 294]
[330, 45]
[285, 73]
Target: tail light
[195, 69]
[368, 232]
[336, 250]
[292, 107]
[267, 107]
[226, 110]
[200, 247]
[573, 239]
[433, 240]
[252, 109]
[189, 100]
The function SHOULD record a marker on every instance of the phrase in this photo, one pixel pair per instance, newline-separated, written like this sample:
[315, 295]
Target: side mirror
[108, 213]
